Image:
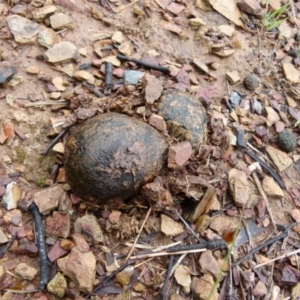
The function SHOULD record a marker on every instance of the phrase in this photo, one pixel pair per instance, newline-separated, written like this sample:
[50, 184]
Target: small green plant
[272, 20]
[41, 182]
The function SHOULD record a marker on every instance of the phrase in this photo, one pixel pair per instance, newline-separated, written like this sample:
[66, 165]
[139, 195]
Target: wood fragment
[42, 103]
[163, 292]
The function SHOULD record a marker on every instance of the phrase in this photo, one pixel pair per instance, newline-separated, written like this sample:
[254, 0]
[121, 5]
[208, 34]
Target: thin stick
[187, 226]
[159, 4]
[125, 7]
[280, 236]
[138, 236]
[147, 247]
[40, 103]
[7, 246]
[61, 134]
[164, 290]
[9, 169]
[263, 194]
[167, 253]
[278, 258]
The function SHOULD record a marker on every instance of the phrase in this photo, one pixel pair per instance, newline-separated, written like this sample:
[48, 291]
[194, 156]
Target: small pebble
[251, 82]
[287, 141]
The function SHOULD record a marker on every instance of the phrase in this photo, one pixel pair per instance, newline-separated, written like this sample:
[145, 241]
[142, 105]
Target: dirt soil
[244, 207]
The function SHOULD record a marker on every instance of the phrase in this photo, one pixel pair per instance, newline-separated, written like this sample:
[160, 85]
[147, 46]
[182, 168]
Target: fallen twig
[163, 291]
[41, 103]
[263, 194]
[93, 89]
[138, 236]
[61, 134]
[265, 244]
[7, 246]
[144, 64]
[211, 245]
[40, 238]
[139, 256]
[277, 258]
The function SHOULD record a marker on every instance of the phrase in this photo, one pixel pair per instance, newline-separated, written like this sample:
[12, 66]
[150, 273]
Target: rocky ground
[218, 220]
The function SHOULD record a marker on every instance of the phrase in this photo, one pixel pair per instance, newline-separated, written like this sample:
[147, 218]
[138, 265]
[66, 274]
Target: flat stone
[125, 48]
[238, 185]
[57, 285]
[259, 289]
[3, 237]
[123, 277]
[287, 141]
[208, 264]
[271, 188]
[19, 9]
[80, 266]
[23, 30]
[34, 70]
[183, 278]
[56, 252]
[132, 76]
[153, 88]
[41, 13]
[59, 148]
[291, 73]
[158, 122]
[25, 271]
[202, 287]
[47, 38]
[222, 224]
[175, 8]
[179, 154]
[12, 196]
[84, 76]
[89, 227]
[48, 199]
[114, 217]
[60, 21]
[272, 116]
[227, 30]
[251, 7]
[280, 158]
[169, 227]
[6, 71]
[58, 225]
[14, 217]
[68, 69]
[117, 37]
[62, 52]
[170, 27]
[112, 59]
[233, 77]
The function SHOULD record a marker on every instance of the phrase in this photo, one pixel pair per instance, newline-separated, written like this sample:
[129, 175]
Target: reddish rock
[80, 266]
[26, 247]
[58, 225]
[89, 227]
[179, 154]
[155, 192]
[279, 126]
[114, 217]
[175, 8]
[158, 122]
[56, 252]
[80, 242]
[2, 191]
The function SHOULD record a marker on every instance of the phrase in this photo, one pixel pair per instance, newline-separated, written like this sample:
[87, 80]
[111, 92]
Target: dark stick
[40, 238]
[7, 246]
[61, 134]
[269, 169]
[108, 77]
[163, 292]
[144, 64]
[93, 89]
[214, 244]
[241, 142]
[104, 281]
[265, 244]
